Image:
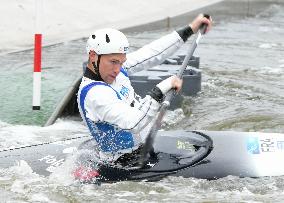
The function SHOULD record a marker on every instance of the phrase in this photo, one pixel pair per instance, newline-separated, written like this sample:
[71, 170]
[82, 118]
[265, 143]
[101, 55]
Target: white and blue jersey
[117, 118]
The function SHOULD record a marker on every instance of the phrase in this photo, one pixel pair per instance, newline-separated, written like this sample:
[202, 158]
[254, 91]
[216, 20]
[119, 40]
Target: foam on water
[242, 63]
[271, 70]
[24, 185]
[12, 136]
[173, 117]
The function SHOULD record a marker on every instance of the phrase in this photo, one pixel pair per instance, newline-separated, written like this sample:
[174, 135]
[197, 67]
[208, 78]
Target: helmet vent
[107, 39]
[94, 36]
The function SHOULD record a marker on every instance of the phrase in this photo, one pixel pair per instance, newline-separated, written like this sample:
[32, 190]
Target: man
[117, 118]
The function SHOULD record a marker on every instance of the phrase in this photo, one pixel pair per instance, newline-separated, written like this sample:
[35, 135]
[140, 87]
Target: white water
[243, 65]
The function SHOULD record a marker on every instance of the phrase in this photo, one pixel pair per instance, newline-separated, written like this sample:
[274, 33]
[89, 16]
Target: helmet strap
[96, 67]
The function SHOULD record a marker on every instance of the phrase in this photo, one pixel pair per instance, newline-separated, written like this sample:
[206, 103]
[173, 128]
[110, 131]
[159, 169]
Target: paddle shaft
[156, 126]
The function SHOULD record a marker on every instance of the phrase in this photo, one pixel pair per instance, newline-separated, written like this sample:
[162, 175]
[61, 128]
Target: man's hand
[172, 82]
[197, 22]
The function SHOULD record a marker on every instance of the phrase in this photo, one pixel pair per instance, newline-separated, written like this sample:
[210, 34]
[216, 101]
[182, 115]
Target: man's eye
[115, 62]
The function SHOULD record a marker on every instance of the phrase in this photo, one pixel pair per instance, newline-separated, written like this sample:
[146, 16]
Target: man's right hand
[198, 21]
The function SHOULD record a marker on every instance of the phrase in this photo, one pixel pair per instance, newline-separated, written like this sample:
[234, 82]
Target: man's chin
[109, 80]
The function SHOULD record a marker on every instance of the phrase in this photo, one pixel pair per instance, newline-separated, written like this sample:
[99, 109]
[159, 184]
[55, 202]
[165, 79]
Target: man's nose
[117, 68]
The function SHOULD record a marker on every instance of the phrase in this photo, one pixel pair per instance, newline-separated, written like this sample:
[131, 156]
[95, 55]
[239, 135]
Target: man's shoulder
[86, 81]
[97, 88]
[93, 84]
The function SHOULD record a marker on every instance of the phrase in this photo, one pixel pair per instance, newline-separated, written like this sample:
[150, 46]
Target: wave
[12, 136]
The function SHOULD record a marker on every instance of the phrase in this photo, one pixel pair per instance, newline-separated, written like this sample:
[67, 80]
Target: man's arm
[156, 52]
[109, 108]
[105, 105]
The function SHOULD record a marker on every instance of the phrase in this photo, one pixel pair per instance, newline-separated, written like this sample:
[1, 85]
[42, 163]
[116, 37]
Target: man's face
[110, 65]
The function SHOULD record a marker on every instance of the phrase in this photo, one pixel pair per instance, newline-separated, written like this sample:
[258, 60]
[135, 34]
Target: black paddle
[148, 146]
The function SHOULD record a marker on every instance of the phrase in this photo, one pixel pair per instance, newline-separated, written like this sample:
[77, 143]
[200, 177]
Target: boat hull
[216, 154]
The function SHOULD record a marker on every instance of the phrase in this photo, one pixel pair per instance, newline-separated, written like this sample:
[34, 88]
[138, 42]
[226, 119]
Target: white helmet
[107, 41]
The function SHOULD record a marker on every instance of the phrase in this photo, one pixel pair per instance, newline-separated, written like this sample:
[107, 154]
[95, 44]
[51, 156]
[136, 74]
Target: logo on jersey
[124, 91]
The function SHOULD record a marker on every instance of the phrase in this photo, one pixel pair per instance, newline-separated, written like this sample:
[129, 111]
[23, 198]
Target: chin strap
[96, 67]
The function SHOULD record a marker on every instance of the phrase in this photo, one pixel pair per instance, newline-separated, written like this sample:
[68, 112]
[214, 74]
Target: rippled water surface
[242, 62]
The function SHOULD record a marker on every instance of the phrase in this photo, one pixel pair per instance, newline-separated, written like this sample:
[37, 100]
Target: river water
[242, 62]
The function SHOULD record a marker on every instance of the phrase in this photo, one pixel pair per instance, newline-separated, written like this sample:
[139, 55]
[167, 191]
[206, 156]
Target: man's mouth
[113, 76]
